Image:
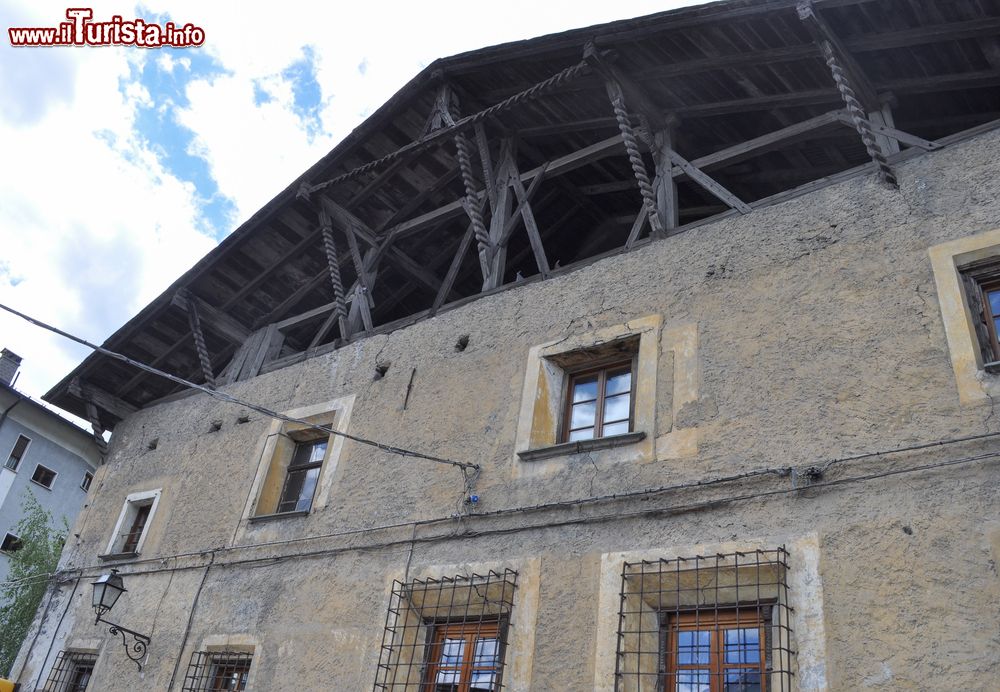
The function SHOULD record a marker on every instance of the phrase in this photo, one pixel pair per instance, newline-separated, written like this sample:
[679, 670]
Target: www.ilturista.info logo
[80, 30]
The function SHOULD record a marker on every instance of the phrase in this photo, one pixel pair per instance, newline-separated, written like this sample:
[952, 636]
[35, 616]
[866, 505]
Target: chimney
[9, 363]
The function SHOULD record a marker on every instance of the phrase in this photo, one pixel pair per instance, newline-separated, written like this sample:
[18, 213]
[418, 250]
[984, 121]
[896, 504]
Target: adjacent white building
[42, 454]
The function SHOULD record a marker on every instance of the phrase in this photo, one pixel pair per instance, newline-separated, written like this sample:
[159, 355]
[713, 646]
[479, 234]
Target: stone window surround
[124, 517]
[340, 411]
[805, 597]
[520, 651]
[536, 451]
[959, 325]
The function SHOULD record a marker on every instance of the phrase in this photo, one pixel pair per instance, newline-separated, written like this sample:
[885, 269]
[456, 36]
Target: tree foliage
[27, 580]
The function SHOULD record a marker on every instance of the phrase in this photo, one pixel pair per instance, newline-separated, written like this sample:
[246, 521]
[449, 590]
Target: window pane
[994, 297]
[615, 429]
[585, 388]
[693, 647]
[693, 681]
[743, 646]
[307, 491]
[585, 434]
[452, 651]
[308, 453]
[996, 325]
[616, 408]
[486, 653]
[583, 415]
[742, 681]
[482, 681]
[622, 382]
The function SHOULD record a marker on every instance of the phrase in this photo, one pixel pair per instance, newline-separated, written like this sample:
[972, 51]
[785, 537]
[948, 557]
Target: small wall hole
[154, 443]
[381, 369]
[462, 343]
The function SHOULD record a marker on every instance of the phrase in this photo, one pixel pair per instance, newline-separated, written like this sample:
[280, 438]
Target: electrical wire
[598, 518]
[221, 396]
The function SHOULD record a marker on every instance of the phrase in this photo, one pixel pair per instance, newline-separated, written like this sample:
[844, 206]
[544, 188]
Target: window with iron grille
[218, 671]
[71, 672]
[17, 453]
[716, 623]
[447, 635]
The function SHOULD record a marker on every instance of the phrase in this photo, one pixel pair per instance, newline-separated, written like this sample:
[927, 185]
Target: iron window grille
[218, 671]
[71, 672]
[448, 634]
[715, 623]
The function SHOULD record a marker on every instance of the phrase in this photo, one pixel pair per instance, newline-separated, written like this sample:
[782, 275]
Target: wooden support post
[194, 321]
[855, 90]
[663, 184]
[881, 119]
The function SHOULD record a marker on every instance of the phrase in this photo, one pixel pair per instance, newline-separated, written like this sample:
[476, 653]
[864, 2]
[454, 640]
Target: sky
[120, 167]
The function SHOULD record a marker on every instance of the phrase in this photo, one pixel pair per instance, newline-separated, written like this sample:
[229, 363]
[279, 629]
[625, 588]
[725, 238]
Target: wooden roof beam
[218, 321]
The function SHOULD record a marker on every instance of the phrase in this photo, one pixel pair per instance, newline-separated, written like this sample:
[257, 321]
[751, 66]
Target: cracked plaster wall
[819, 335]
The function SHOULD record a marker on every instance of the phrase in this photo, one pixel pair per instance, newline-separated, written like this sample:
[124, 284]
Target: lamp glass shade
[107, 589]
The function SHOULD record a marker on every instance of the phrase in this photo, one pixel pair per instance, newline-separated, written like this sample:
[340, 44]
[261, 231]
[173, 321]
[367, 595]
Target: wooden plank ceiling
[734, 103]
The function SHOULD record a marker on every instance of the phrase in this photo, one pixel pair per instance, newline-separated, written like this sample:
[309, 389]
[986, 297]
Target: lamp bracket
[137, 651]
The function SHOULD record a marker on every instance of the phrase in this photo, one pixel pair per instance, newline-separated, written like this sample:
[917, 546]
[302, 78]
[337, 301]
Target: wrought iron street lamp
[107, 590]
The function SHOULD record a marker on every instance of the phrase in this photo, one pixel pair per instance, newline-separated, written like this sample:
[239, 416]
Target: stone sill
[581, 446]
[280, 515]
[118, 556]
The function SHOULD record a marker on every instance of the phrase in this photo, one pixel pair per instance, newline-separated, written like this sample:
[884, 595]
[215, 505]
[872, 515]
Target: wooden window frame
[139, 522]
[470, 631]
[601, 368]
[716, 621]
[301, 440]
[985, 288]
[126, 518]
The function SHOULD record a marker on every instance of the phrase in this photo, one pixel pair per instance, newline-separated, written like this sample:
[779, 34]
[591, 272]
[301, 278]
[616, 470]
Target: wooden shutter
[974, 297]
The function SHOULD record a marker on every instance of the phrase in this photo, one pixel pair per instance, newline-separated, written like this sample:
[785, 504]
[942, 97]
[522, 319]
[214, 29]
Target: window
[133, 523]
[717, 623]
[464, 658]
[981, 281]
[302, 476]
[43, 476]
[217, 671]
[88, 478]
[717, 651]
[71, 672]
[447, 635]
[16, 454]
[11, 544]
[599, 402]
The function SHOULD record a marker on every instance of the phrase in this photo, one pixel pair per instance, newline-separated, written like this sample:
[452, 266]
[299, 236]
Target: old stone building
[656, 355]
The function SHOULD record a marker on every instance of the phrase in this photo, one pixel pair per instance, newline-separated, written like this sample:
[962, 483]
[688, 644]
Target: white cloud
[92, 226]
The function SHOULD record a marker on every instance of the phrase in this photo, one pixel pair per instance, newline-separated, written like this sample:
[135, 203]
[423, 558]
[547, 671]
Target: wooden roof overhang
[523, 160]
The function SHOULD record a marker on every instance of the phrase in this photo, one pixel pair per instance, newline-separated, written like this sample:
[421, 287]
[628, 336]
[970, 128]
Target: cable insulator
[859, 118]
[638, 167]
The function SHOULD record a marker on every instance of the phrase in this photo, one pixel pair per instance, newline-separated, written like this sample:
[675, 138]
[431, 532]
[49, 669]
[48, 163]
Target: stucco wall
[54, 445]
[818, 335]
